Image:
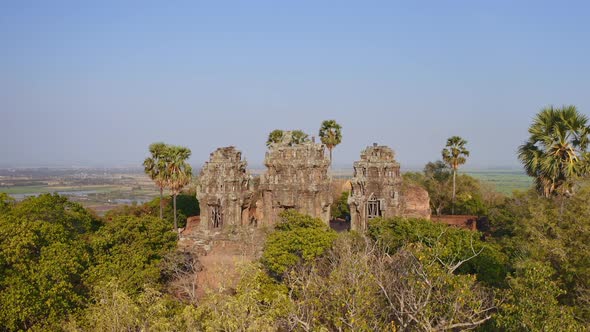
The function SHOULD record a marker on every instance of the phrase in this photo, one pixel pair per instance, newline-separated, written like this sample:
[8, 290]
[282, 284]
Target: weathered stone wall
[296, 178]
[415, 202]
[225, 190]
[377, 189]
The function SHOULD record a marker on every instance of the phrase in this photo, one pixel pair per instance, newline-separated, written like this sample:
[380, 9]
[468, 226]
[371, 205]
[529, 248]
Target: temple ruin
[225, 189]
[296, 178]
[378, 189]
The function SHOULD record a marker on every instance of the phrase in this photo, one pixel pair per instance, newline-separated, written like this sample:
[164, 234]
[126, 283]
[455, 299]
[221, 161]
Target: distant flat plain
[505, 181]
[98, 189]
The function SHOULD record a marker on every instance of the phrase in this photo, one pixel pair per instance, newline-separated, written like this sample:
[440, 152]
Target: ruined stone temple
[378, 189]
[296, 178]
[225, 189]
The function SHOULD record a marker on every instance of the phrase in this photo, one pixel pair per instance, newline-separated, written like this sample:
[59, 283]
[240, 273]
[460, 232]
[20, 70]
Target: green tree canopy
[187, 205]
[5, 202]
[113, 309]
[259, 304]
[556, 153]
[449, 243]
[297, 237]
[340, 208]
[473, 197]
[535, 228]
[129, 249]
[43, 256]
[532, 302]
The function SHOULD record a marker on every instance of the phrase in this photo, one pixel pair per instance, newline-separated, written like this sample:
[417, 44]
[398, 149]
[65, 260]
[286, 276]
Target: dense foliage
[340, 208]
[43, 255]
[53, 253]
[129, 249]
[472, 196]
[532, 302]
[64, 269]
[488, 263]
[187, 205]
[296, 238]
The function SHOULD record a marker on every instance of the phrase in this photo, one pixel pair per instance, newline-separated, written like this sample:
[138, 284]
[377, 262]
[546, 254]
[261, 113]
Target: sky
[94, 83]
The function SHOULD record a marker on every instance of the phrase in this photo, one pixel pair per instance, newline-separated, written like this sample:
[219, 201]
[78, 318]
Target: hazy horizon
[93, 85]
[257, 167]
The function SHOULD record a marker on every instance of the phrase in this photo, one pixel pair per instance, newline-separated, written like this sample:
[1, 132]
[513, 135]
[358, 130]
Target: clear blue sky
[84, 84]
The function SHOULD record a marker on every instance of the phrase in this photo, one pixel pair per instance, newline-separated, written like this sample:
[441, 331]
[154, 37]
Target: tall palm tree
[179, 173]
[330, 134]
[454, 154]
[557, 150]
[155, 168]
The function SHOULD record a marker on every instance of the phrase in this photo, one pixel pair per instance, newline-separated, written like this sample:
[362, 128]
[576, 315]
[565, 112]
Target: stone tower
[296, 178]
[378, 190]
[376, 186]
[224, 190]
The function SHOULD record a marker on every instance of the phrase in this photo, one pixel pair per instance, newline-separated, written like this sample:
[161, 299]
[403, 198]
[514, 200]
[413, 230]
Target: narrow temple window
[373, 209]
[216, 220]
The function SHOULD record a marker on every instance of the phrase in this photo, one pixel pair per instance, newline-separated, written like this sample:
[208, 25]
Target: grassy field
[505, 181]
[26, 190]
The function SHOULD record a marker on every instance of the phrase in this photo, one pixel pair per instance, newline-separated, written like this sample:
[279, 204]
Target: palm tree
[155, 168]
[557, 150]
[298, 137]
[331, 135]
[454, 154]
[275, 136]
[179, 173]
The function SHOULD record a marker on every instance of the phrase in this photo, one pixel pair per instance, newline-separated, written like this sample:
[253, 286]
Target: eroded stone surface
[377, 189]
[296, 178]
[225, 190]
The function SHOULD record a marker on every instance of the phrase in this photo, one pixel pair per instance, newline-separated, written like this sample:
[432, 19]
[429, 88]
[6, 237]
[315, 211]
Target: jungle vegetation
[62, 268]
